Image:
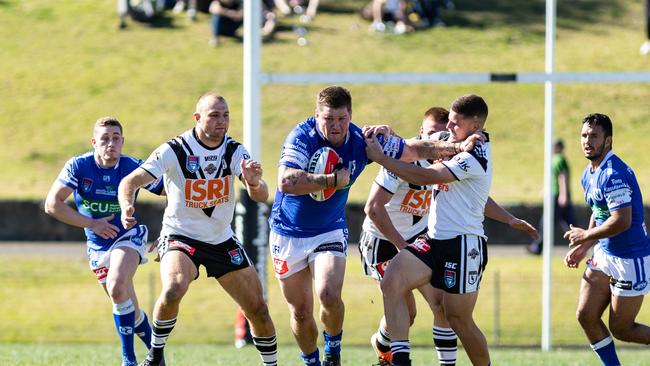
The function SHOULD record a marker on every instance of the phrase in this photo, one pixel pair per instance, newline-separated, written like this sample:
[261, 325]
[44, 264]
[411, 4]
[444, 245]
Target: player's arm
[56, 207]
[376, 211]
[416, 149]
[618, 221]
[126, 194]
[494, 211]
[251, 176]
[577, 252]
[298, 181]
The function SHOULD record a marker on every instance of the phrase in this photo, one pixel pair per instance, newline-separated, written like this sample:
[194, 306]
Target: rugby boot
[150, 360]
[127, 362]
[331, 360]
[384, 358]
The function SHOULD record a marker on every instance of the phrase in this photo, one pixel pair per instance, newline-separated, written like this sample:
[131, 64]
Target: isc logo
[202, 193]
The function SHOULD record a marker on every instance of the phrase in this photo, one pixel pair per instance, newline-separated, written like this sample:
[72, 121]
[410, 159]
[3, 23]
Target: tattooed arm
[415, 149]
[297, 181]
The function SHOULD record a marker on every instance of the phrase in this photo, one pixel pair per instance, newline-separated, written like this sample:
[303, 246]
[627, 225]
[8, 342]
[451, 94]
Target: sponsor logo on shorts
[329, 247]
[623, 285]
[101, 272]
[180, 245]
[279, 266]
[450, 278]
[236, 257]
[473, 253]
[451, 265]
[420, 245]
[86, 183]
[192, 163]
[275, 249]
[381, 267]
[472, 277]
[640, 285]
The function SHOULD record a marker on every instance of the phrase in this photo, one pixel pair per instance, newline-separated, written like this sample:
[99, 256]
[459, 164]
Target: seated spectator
[228, 17]
[390, 11]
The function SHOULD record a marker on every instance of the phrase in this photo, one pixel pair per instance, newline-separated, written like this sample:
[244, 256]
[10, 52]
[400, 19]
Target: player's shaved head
[107, 121]
[208, 98]
[471, 106]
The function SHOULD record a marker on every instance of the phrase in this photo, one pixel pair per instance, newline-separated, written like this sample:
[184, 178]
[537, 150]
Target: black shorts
[218, 259]
[457, 264]
[376, 253]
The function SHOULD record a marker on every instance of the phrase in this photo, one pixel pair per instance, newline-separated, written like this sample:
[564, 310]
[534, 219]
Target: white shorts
[627, 276]
[99, 260]
[291, 255]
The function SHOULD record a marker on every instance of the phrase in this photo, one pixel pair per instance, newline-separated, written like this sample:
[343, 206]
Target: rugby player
[114, 252]
[199, 168]
[397, 214]
[617, 273]
[308, 238]
[453, 254]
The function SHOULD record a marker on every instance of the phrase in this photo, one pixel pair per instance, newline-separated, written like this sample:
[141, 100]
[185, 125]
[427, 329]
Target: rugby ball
[323, 161]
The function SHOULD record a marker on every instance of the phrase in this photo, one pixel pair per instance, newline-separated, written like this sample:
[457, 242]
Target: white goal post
[254, 78]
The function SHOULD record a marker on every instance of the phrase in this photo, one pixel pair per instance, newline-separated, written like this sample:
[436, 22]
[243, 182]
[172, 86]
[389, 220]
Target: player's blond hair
[107, 121]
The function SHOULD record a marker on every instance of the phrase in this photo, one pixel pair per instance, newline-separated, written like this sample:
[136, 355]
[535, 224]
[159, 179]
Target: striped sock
[124, 317]
[401, 351]
[142, 329]
[446, 344]
[382, 340]
[159, 335]
[606, 351]
[268, 349]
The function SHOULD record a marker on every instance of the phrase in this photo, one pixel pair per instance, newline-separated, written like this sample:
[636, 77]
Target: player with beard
[617, 273]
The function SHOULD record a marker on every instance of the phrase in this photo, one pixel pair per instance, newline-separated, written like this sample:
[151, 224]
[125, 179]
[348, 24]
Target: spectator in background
[427, 13]
[389, 11]
[305, 8]
[561, 191]
[645, 47]
[228, 17]
[180, 5]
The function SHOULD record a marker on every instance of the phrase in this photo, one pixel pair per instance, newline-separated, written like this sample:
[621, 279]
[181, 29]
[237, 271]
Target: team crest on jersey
[236, 257]
[210, 169]
[473, 253]
[192, 163]
[450, 278]
[86, 184]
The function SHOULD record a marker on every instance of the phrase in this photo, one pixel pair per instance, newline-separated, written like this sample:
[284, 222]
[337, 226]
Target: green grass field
[53, 313]
[64, 64]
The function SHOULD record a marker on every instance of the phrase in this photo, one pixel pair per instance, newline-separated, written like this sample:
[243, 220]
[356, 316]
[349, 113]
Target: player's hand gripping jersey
[611, 187]
[457, 207]
[301, 216]
[199, 182]
[95, 191]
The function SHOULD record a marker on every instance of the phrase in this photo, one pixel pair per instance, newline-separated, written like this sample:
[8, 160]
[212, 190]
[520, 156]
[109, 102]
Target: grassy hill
[63, 64]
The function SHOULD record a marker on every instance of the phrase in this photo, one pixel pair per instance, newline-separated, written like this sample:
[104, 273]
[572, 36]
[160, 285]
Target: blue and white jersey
[301, 216]
[610, 187]
[95, 191]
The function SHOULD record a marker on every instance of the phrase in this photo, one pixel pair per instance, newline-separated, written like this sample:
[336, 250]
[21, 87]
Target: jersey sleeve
[295, 150]
[617, 191]
[387, 180]
[235, 164]
[68, 175]
[468, 164]
[159, 161]
[392, 146]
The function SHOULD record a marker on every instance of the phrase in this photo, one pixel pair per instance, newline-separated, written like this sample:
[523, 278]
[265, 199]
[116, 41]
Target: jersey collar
[609, 154]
